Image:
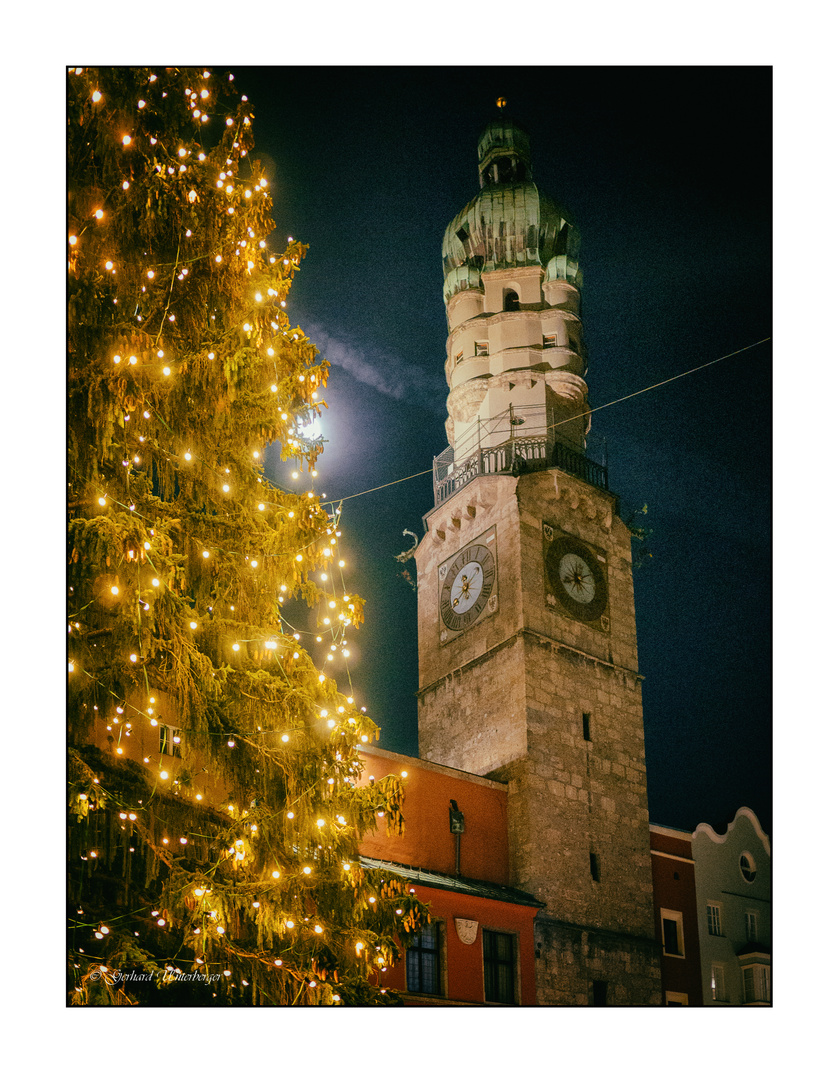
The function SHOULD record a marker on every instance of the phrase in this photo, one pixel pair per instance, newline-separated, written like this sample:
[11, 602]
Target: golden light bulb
[290, 815]
[115, 590]
[126, 140]
[236, 647]
[193, 625]
[155, 582]
[306, 870]
[163, 775]
[166, 371]
[290, 924]
[205, 554]
[96, 95]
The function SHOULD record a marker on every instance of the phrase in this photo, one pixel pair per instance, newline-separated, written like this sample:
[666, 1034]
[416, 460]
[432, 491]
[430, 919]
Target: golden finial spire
[501, 103]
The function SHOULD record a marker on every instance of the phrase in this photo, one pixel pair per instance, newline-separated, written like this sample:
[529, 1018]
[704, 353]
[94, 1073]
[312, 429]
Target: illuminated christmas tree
[215, 796]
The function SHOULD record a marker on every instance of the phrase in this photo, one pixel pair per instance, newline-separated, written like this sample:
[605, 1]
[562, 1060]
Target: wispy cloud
[388, 374]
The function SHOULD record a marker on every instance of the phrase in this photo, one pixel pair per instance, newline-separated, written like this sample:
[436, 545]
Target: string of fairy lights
[225, 181]
[152, 356]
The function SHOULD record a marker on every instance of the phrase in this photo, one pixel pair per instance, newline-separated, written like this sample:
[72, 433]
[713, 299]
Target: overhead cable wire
[597, 408]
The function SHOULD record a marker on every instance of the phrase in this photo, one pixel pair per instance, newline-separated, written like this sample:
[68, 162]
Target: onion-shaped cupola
[510, 222]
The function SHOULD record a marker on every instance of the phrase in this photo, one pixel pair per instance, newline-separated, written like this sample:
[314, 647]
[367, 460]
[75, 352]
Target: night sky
[667, 174]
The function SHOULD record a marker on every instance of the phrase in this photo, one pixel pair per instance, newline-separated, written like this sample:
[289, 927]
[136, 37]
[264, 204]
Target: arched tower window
[510, 301]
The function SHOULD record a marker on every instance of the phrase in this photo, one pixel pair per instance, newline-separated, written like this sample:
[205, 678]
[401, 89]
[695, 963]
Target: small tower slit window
[510, 300]
[587, 718]
[459, 357]
[549, 341]
[481, 348]
[594, 866]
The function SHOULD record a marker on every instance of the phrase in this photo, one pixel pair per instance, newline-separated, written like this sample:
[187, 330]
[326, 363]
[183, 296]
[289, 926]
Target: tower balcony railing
[501, 446]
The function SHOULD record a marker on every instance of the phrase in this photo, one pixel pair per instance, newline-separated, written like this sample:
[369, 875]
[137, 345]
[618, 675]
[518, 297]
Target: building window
[462, 233]
[170, 740]
[481, 348]
[586, 721]
[718, 982]
[673, 997]
[498, 953]
[423, 962]
[549, 341]
[756, 984]
[459, 357]
[510, 301]
[672, 939]
[599, 992]
[747, 867]
[715, 926]
[751, 926]
[594, 866]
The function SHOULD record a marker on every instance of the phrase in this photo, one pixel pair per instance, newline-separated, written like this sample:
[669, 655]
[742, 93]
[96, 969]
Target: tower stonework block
[528, 665]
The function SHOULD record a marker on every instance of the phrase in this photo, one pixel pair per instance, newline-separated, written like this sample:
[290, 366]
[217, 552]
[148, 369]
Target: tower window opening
[549, 341]
[586, 721]
[459, 357]
[599, 992]
[510, 301]
[463, 234]
[481, 348]
[594, 866]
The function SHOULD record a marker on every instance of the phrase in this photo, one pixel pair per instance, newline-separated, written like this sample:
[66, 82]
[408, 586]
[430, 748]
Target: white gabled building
[733, 880]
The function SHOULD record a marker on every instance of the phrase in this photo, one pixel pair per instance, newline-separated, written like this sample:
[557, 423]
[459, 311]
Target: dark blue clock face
[468, 584]
[576, 578]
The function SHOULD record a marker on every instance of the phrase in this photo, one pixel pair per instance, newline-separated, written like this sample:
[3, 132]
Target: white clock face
[577, 578]
[466, 587]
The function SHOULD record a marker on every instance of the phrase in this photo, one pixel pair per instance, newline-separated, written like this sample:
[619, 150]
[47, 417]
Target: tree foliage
[224, 866]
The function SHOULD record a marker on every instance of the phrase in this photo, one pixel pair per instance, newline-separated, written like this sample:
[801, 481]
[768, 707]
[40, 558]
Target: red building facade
[479, 949]
[675, 909]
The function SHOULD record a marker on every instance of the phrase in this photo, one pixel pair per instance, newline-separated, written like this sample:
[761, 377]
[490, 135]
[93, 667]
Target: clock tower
[528, 667]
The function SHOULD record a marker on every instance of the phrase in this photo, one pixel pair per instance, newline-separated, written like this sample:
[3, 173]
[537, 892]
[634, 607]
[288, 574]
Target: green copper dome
[509, 223]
